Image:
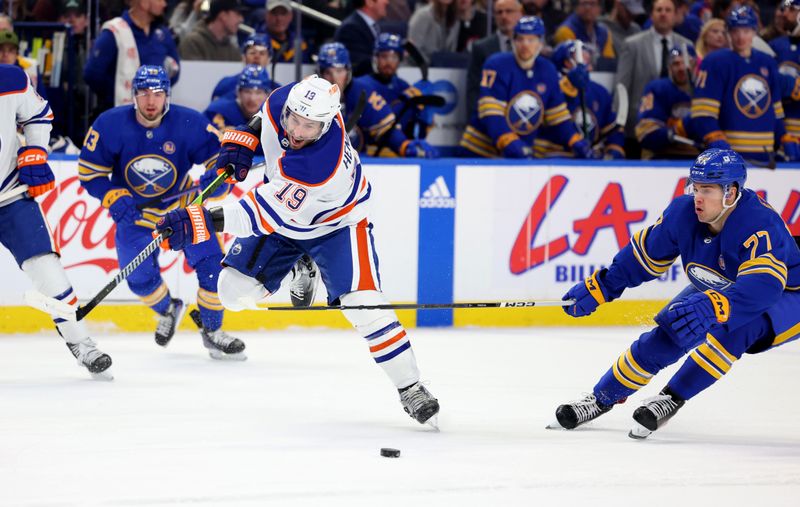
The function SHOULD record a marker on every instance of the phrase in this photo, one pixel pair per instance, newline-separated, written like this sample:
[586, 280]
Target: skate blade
[639, 432]
[104, 376]
[433, 422]
[555, 425]
[222, 356]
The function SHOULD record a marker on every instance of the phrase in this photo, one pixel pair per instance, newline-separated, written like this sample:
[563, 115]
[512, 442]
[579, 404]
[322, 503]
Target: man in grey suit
[506, 15]
[645, 57]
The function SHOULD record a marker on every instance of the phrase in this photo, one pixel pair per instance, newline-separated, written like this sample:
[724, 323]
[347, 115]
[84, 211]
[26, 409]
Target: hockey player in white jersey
[314, 201]
[23, 229]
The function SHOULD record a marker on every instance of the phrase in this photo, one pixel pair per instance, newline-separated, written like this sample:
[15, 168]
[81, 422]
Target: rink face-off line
[302, 421]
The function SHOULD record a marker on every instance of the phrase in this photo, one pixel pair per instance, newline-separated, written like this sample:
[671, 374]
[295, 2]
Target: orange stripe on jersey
[257, 208]
[73, 300]
[387, 343]
[269, 115]
[349, 207]
[365, 277]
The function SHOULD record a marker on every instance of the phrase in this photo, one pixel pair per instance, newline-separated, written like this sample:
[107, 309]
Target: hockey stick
[418, 100]
[66, 311]
[582, 93]
[13, 193]
[621, 98]
[251, 305]
[418, 58]
[357, 112]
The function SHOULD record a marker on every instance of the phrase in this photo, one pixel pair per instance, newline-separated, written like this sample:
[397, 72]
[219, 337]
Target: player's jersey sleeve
[33, 113]
[205, 141]
[556, 112]
[651, 127]
[649, 254]
[97, 157]
[493, 102]
[615, 137]
[378, 120]
[709, 87]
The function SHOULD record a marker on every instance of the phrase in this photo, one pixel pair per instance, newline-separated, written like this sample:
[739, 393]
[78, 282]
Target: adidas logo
[437, 196]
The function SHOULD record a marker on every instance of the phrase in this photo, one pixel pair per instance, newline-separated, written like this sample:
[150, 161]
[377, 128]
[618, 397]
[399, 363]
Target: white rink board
[486, 233]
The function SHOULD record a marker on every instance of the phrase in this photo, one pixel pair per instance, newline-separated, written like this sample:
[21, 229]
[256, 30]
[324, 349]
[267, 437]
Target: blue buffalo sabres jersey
[377, 127]
[516, 104]
[738, 100]
[600, 122]
[119, 153]
[753, 261]
[664, 106]
[396, 91]
[787, 54]
[225, 113]
[226, 88]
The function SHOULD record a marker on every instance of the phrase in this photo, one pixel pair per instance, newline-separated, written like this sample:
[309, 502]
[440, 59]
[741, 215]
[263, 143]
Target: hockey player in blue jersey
[737, 101]
[377, 127]
[600, 120]
[134, 153]
[665, 108]
[251, 91]
[315, 200]
[744, 297]
[23, 228]
[519, 95]
[787, 54]
[256, 50]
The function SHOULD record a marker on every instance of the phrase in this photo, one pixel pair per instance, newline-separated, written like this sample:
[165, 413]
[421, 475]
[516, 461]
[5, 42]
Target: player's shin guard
[705, 365]
[154, 294]
[211, 309]
[386, 337]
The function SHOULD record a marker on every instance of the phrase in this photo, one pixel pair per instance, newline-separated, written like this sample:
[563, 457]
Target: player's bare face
[278, 20]
[716, 38]
[256, 55]
[387, 63]
[8, 54]
[337, 76]
[527, 46]
[742, 39]
[155, 8]
[301, 131]
[678, 71]
[250, 100]
[707, 201]
[150, 104]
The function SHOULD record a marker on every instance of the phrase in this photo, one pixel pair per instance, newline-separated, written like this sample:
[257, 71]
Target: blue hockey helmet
[151, 77]
[530, 25]
[258, 40]
[333, 54]
[254, 76]
[720, 167]
[390, 42]
[791, 4]
[565, 52]
[677, 52]
[742, 17]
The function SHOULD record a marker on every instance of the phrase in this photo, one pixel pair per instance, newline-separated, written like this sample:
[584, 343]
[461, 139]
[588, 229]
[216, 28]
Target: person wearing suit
[358, 32]
[506, 15]
[645, 57]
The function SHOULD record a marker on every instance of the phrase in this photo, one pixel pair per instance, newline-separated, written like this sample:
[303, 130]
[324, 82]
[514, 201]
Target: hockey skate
[168, 323]
[305, 278]
[572, 415]
[420, 404]
[89, 356]
[220, 344]
[654, 413]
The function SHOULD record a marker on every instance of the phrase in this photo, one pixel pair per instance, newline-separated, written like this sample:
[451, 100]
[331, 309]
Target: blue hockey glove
[588, 295]
[517, 149]
[419, 149]
[582, 149]
[238, 149]
[186, 226]
[691, 318]
[34, 170]
[579, 76]
[122, 207]
[207, 178]
[791, 150]
[615, 155]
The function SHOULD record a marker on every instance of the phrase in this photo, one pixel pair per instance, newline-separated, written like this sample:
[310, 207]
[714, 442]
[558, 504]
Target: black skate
[220, 344]
[654, 413]
[305, 278]
[168, 323]
[89, 356]
[572, 415]
[420, 404]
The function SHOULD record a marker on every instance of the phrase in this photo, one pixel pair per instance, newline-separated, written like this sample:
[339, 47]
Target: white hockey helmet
[313, 98]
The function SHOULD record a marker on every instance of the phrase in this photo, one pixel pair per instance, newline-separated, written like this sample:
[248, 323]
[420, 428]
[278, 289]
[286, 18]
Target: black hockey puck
[388, 452]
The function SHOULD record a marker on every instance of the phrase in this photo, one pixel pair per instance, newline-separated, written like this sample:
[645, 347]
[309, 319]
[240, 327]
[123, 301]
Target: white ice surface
[302, 421]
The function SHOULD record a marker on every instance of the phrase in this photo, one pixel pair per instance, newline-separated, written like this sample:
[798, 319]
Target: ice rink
[302, 421]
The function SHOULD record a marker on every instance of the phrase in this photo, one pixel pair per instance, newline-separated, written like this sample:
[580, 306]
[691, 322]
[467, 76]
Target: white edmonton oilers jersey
[307, 193]
[20, 106]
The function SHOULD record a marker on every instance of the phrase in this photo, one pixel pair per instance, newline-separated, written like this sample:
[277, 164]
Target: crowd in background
[631, 38]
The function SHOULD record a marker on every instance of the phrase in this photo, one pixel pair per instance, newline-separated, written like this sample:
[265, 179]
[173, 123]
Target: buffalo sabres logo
[704, 277]
[752, 96]
[150, 175]
[524, 112]
[591, 122]
[789, 68]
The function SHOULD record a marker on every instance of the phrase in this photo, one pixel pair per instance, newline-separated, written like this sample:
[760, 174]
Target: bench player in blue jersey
[744, 297]
[145, 150]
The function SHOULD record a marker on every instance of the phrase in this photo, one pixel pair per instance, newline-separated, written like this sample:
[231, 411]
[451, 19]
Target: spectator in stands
[506, 15]
[547, 10]
[713, 36]
[582, 24]
[185, 17]
[125, 43]
[398, 11]
[9, 55]
[6, 24]
[621, 21]
[278, 24]
[646, 57]
[472, 24]
[252, 89]
[73, 13]
[783, 22]
[434, 27]
[256, 50]
[686, 23]
[358, 32]
[214, 39]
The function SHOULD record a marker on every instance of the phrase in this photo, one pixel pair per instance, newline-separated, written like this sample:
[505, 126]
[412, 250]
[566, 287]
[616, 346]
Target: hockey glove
[186, 226]
[613, 154]
[207, 178]
[122, 207]
[517, 149]
[34, 170]
[579, 77]
[791, 150]
[419, 149]
[238, 149]
[582, 149]
[588, 295]
[691, 318]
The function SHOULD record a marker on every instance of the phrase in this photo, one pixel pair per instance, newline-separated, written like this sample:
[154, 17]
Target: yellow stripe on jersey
[787, 335]
[557, 115]
[647, 126]
[381, 127]
[208, 299]
[156, 296]
[628, 372]
[655, 267]
[506, 139]
[778, 107]
[765, 264]
[705, 107]
[704, 364]
[88, 171]
[490, 106]
[478, 143]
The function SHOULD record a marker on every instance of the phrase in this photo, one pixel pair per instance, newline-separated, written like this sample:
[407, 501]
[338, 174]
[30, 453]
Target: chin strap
[729, 206]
